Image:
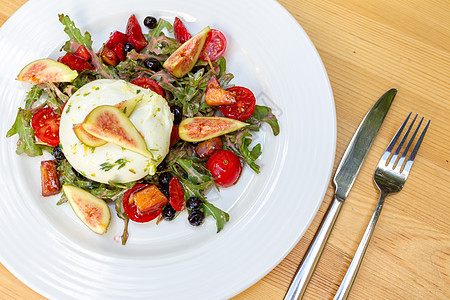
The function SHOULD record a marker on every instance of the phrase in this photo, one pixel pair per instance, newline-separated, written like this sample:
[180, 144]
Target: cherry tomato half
[214, 47]
[244, 106]
[148, 83]
[225, 167]
[176, 194]
[45, 124]
[131, 209]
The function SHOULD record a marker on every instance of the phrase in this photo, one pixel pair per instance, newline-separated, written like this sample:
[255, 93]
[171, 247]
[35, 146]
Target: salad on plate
[148, 123]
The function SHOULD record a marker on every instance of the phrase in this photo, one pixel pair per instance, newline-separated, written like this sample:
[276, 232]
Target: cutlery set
[390, 176]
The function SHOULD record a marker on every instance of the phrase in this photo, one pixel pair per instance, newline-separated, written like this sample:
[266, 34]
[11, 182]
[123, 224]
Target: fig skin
[46, 70]
[184, 58]
[109, 123]
[92, 211]
[87, 138]
[198, 129]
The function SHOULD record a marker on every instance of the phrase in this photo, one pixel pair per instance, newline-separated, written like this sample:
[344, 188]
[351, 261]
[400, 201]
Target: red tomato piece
[244, 106]
[75, 62]
[214, 47]
[45, 124]
[115, 38]
[135, 35]
[174, 135]
[148, 83]
[131, 209]
[180, 31]
[120, 52]
[176, 194]
[225, 167]
[83, 53]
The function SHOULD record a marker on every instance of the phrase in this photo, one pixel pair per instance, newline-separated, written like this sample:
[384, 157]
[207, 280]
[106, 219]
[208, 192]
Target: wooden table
[367, 47]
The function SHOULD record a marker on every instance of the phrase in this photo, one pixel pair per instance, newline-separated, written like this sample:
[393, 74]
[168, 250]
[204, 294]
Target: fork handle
[350, 275]
[310, 259]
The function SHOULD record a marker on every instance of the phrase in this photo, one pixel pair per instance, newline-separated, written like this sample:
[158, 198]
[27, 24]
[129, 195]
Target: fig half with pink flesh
[92, 211]
[46, 70]
[126, 106]
[198, 129]
[185, 57]
[110, 124]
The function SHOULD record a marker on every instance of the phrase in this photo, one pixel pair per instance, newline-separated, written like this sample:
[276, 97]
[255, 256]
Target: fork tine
[387, 153]
[413, 154]
[411, 140]
[400, 145]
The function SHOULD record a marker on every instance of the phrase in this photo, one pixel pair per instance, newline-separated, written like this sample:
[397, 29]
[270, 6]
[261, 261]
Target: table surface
[367, 47]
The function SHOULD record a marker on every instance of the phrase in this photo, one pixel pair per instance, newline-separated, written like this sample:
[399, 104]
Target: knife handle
[310, 259]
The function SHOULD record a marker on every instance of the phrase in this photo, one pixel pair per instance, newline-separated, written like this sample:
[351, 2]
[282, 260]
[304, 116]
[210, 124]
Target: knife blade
[344, 178]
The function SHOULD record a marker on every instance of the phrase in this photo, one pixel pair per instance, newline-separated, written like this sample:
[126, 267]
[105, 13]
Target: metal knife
[343, 180]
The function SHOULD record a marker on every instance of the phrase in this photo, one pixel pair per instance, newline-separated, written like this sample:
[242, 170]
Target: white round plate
[51, 251]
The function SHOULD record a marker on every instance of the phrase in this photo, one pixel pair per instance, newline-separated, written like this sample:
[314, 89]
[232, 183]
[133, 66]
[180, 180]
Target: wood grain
[367, 47]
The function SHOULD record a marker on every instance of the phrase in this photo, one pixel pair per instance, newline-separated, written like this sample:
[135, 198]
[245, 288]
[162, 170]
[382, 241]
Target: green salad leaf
[74, 33]
[219, 215]
[26, 143]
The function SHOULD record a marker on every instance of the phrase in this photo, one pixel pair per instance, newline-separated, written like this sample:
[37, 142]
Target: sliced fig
[200, 129]
[215, 95]
[92, 211]
[46, 70]
[126, 106]
[87, 138]
[109, 123]
[185, 57]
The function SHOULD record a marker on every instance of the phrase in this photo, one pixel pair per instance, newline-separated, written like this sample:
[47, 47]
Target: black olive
[164, 178]
[150, 22]
[194, 203]
[196, 218]
[168, 212]
[165, 190]
[177, 114]
[161, 167]
[128, 47]
[152, 64]
[57, 153]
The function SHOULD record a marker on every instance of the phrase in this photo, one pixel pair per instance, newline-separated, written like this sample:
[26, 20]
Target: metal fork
[390, 176]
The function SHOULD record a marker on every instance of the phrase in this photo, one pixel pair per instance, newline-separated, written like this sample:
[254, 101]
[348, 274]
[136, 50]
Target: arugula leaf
[250, 156]
[219, 215]
[32, 96]
[159, 28]
[74, 33]
[26, 143]
[264, 114]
